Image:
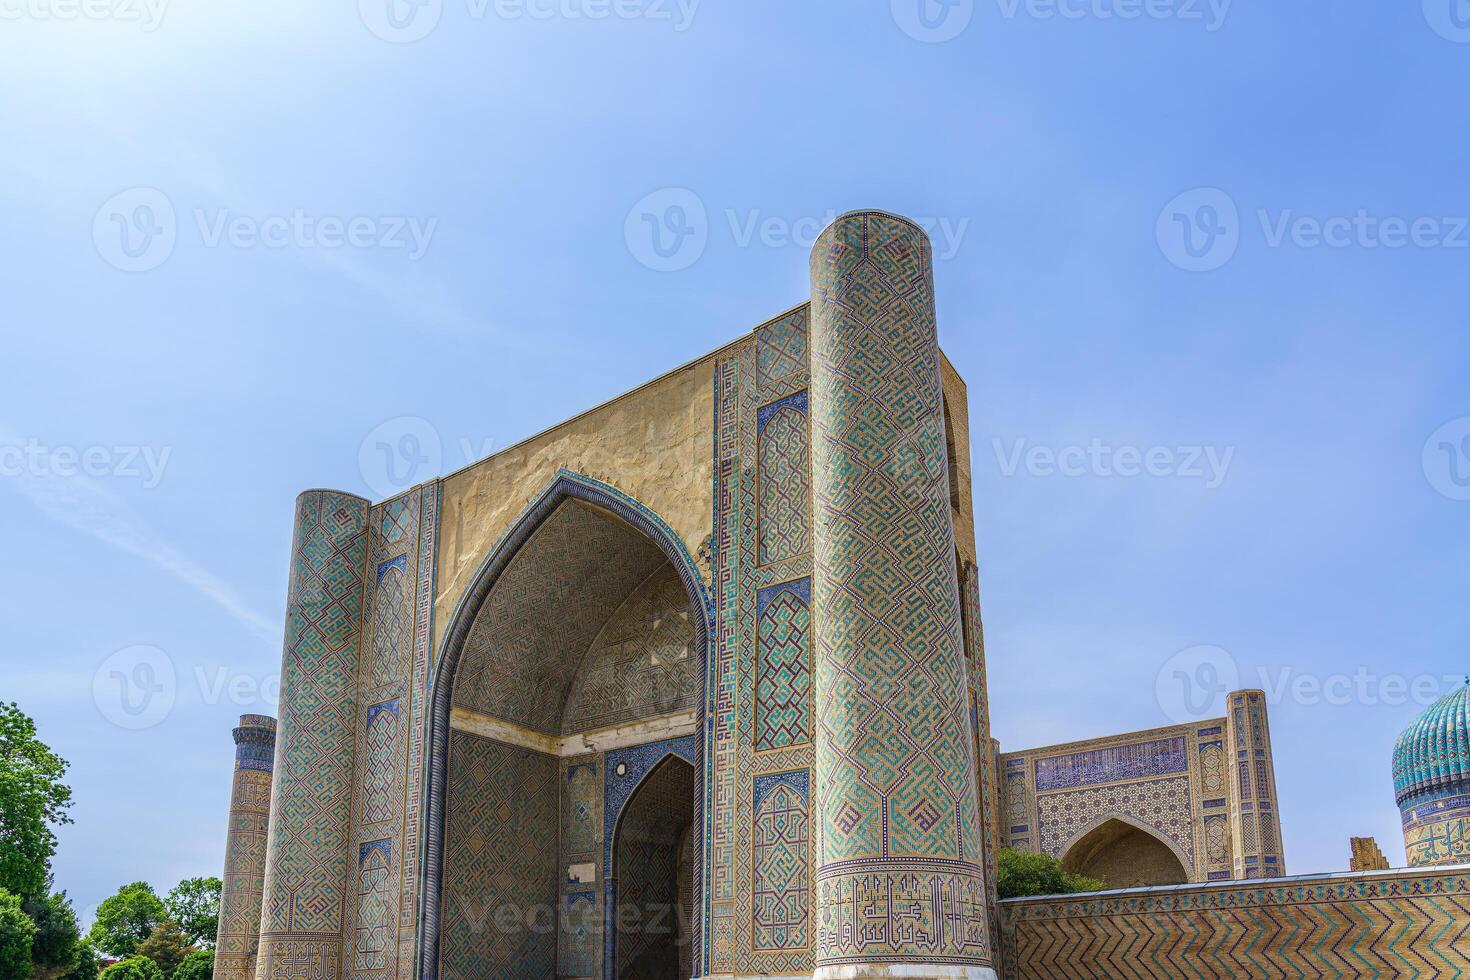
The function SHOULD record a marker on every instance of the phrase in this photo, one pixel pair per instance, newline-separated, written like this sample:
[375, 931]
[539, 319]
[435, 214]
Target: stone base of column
[902, 971]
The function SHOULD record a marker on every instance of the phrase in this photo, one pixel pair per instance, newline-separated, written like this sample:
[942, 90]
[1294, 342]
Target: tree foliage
[194, 905]
[166, 946]
[33, 800]
[17, 932]
[88, 965]
[1024, 873]
[126, 919]
[198, 965]
[133, 968]
[56, 948]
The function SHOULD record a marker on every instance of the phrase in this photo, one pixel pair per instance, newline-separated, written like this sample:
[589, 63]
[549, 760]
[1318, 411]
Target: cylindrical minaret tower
[244, 876]
[1431, 782]
[900, 880]
[306, 868]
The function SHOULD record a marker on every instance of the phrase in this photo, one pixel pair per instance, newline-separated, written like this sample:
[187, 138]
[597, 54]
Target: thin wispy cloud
[86, 505]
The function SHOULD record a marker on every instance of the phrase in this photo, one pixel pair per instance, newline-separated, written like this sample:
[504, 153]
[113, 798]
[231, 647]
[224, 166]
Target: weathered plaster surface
[655, 444]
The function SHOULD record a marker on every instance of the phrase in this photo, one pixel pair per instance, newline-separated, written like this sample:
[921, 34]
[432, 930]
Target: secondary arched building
[1431, 782]
[1167, 806]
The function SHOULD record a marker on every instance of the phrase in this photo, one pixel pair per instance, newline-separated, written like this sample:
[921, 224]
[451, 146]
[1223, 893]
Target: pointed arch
[566, 485]
[1072, 860]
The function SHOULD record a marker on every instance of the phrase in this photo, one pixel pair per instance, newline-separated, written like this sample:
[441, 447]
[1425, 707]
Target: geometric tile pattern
[544, 612]
[781, 347]
[1376, 924]
[984, 757]
[784, 673]
[306, 865]
[245, 847]
[782, 842]
[648, 927]
[785, 480]
[1164, 805]
[380, 764]
[643, 662]
[899, 864]
[374, 906]
[580, 952]
[1256, 842]
[499, 862]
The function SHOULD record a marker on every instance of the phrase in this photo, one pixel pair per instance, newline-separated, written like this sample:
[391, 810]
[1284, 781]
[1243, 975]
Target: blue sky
[1130, 191]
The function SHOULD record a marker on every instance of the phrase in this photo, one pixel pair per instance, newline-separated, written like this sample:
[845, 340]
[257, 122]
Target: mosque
[692, 685]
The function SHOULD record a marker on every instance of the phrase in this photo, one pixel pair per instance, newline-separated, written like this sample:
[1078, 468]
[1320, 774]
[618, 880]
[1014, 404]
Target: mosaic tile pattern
[896, 771]
[782, 842]
[245, 848]
[984, 748]
[373, 945]
[1256, 840]
[643, 663]
[306, 863]
[545, 611]
[649, 926]
[1163, 806]
[1437, 831]
[785, 479]
[783, 702]
[499, 861]
[781, 347]
[477, 610]
[1375, 925]
[581, 936]
[1130, 761]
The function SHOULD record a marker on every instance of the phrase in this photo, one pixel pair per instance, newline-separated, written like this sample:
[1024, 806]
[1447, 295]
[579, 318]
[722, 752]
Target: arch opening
[653, 880]
[1122, 854]
[583, 631]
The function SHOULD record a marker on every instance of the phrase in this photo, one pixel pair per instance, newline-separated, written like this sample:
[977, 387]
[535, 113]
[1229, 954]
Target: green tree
[126, 919]
[134, 968]
[194, 905]
[89, 963]
[56, 948]
[198, 965]
[33, 799]
[166, 946]
[1023, 873]
[17, 932]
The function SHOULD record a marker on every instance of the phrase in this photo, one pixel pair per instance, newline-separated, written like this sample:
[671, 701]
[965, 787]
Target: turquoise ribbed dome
[1433, 754]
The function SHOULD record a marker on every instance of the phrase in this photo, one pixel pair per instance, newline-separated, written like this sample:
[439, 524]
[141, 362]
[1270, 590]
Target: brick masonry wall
[1412, 923]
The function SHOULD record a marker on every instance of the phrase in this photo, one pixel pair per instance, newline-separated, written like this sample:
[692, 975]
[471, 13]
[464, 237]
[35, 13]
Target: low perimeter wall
[1406, 923]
